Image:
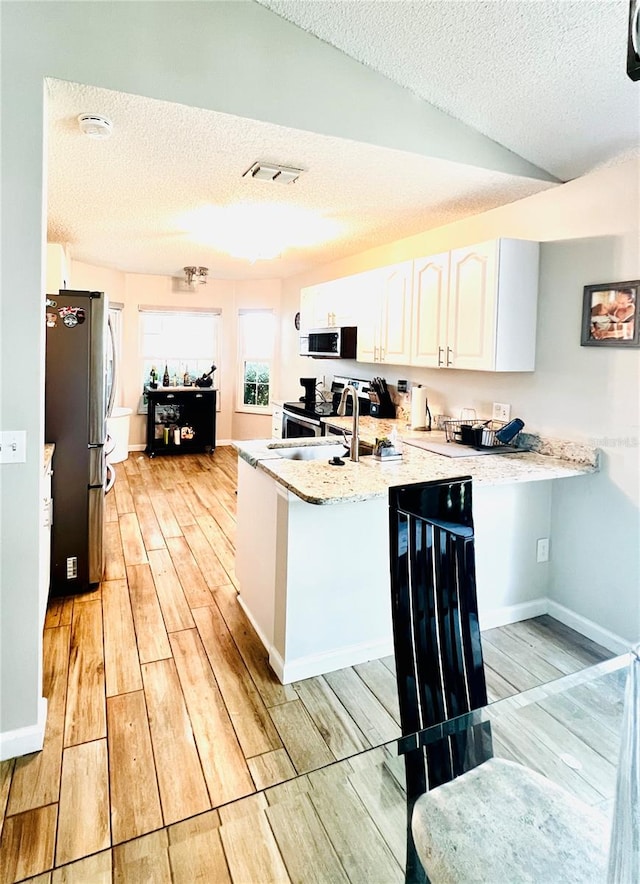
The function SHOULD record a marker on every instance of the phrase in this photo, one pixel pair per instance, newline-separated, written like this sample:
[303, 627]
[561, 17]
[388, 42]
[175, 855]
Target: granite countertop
[49, 448]
[318, 482]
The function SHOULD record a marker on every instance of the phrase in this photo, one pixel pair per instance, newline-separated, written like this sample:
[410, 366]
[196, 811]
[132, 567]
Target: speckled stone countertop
[49, 448]
[318, 482]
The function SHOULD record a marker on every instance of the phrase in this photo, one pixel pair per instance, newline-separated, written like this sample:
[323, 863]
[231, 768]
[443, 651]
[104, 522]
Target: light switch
[13, 446]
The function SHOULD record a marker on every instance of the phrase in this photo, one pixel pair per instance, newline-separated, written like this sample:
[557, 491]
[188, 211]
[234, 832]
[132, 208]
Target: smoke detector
[272, 172]
[95, 126]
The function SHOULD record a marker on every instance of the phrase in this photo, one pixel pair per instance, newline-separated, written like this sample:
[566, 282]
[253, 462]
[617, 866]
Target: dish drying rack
[477, 433]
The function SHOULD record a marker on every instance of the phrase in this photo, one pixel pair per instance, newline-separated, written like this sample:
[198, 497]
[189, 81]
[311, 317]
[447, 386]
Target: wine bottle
[165, 377]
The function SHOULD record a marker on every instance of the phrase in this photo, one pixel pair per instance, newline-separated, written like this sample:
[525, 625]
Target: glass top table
[347, 822]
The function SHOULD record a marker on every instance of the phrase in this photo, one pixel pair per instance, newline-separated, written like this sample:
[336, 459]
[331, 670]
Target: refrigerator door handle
[115, 368]
[97, 373]
[111, 478]
[96, 527]
[96, 466]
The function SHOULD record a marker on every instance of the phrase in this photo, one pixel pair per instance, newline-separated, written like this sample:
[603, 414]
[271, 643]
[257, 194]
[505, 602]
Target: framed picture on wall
[610, 315]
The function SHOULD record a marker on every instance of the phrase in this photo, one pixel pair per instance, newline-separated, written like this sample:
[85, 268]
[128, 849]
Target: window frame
[243, 357]
[214, 312]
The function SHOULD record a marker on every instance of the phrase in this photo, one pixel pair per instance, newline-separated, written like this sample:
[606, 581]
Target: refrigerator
[76, 406]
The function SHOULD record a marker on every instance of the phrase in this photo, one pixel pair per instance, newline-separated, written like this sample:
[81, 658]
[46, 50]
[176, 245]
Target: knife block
[382, 406]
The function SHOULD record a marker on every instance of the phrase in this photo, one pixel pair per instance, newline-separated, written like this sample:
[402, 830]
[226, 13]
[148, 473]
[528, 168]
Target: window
[256, 340]
[183, 342]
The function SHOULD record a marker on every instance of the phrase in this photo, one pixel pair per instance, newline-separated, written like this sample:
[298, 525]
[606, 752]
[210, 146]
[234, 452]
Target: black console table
[180, 420]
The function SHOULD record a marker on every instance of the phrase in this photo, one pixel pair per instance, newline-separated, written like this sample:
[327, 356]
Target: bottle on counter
[165, 376]
[153, 378]
[187, 378]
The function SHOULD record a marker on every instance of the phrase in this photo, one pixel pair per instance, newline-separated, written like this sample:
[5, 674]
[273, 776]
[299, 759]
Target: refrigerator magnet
[69, 316]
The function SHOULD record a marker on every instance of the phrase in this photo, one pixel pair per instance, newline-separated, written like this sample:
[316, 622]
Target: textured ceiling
[119, 202]
[545, 78]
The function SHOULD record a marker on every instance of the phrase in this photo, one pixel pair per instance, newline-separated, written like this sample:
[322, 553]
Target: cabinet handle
[449, 360]
[381, 354]
[171, 396]
[440, 352]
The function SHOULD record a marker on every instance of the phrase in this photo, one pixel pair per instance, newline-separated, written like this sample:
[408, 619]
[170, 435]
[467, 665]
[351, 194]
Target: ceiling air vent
[271, 172]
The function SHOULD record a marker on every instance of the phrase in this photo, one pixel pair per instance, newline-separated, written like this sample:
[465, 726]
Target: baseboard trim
[265, 641]
[591, 630]
[137, 447]
[24, 740]
[318, 664]
[514, 613]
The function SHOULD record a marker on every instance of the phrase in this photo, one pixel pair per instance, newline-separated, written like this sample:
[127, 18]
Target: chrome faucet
[355, 433]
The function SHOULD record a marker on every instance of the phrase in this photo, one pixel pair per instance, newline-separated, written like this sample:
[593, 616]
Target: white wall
[581, 393]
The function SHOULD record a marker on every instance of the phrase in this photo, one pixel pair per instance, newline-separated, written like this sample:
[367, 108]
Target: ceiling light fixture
[273, 172]
[258, 231]
[95, 126]
[195, 275]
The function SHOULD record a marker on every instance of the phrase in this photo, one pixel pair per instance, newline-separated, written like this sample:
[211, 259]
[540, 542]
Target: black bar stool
[436, 633]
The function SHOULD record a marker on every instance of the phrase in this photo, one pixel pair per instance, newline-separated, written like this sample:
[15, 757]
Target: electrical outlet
[542, 550]
[501, 411]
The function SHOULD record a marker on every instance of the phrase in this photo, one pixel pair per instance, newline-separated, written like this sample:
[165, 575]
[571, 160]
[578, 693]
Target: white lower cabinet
[276, 422]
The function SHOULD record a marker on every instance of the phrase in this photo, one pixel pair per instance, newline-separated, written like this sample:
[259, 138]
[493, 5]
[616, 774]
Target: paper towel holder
[423, 420]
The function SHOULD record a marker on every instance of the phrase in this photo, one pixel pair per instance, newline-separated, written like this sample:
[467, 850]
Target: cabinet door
[326, 304]
[430, 301]
[366, 294]
[276, 423]
[472, 307]
[395, 342]
[308, 307]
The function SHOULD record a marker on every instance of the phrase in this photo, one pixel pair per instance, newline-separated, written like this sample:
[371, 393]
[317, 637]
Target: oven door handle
[303, 419]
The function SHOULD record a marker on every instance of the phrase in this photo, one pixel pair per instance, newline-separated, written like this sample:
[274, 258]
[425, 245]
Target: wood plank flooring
[163, 708]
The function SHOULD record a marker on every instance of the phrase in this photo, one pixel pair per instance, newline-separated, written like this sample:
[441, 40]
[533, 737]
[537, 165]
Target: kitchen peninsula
[312, 542]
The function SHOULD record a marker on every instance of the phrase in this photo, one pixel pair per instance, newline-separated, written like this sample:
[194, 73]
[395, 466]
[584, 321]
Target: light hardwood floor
[162, 705]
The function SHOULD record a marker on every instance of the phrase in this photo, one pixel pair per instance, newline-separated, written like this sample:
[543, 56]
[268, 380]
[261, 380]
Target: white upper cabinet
[492, 306]
[384, 324]
[473, 298]
[328, 304]
[473, 308]
[430, 300]
[395, 317]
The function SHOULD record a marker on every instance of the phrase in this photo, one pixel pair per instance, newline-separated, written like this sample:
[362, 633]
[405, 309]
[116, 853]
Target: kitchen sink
[320, 452]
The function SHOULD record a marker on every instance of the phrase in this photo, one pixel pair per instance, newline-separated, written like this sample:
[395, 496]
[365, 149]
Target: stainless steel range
[303, 418]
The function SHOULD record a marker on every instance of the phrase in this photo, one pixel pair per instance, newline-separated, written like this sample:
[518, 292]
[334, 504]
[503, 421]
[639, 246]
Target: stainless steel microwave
[329, 343]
